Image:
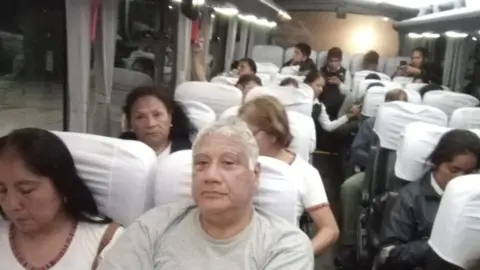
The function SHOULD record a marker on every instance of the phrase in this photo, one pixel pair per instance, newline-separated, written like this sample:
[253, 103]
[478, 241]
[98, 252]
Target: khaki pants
[350, 199]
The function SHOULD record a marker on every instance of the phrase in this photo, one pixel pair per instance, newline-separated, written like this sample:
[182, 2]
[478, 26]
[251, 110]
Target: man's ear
[256, 170]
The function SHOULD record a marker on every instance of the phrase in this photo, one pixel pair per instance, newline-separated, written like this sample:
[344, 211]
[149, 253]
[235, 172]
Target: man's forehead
[220, 143]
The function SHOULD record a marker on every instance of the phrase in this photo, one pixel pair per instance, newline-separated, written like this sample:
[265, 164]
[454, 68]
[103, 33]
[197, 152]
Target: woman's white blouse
[79, 256]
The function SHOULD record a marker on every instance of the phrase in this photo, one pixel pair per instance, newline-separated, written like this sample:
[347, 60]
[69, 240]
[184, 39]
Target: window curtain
[100, 121]
[78, 14]
[457, 54]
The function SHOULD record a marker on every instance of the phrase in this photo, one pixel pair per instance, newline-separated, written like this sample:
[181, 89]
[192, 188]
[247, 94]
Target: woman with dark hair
[52, 220]
[406, 229]
[158, 121]
[420, 68]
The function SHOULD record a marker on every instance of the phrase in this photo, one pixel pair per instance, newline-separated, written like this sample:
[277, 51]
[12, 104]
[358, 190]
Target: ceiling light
[284, 15]
[414, 4]
[177, 1]
[474, 38]
[227, 11]
[430, 35]
[454, 34]
[198, 2]
[414, 35]
[386, 19]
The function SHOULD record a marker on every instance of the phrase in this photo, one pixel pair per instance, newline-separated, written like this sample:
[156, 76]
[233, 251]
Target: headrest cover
[417, 143]
[233, 111]
[465, 118]
[456, 231]
[225, 80]
[276, 191]
[393, 117]
[200, 114]
[216, 96]
[292, 98]
[449, 101]
[303, 131]
[119, 173]
[270, 68]
[413, 96]
[373, 99]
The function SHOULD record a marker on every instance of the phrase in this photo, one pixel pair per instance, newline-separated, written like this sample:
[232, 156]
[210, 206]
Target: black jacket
[305, 67]
[408, 225]
[177, 144]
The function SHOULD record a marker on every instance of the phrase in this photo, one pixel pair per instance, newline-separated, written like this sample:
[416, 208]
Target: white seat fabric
[413, 96]
[268, 53]
[266, 78]
[119, 173]
[416, 144]
[465, 118]
[124, 81]
[200, 114]
[356, 63]
[277, 192]
[225, 80]
[303, 131]
[292, 98]
[392, 117]
[268, 68]
[321, 59]
[290, 70]
[216, 96]
[233, 111]
[415, 86]
[365, 83]
[449, 101]
[381, 64]
[346, 61]
[403, 80]
[289, 54]
[373, 99]
[359, 76]
[455, 234]
[392, 63]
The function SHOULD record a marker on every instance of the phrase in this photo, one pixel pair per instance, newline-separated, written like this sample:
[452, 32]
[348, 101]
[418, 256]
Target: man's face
[222, 178]
[334, 63]
[298, 56]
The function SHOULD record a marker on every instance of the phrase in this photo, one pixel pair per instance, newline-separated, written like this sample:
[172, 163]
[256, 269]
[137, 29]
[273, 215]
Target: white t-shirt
[80, 254]
[311, 193]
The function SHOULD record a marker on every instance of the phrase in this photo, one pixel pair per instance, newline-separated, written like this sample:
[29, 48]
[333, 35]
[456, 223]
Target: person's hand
[400, 71]
[334, 80]
[354, 111]
[412, 71]
[197, 46]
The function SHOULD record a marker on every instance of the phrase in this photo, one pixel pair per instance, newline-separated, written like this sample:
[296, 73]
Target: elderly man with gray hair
[223, 230]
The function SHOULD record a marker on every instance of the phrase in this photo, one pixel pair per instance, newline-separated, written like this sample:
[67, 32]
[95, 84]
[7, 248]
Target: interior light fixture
[474, 38]
[415, 35]
[284, 15]
[414, 4]
[198, 2]
[247, 18]
[227, 11]
[430, 35]
[453, 34]
[386, 19]
[177, 1]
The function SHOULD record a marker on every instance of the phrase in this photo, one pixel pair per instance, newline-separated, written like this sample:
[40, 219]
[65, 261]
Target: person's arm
[432, 73]
[198, 65]
[346, 86]
[315, 202]
[397, 233]
[328, 125]
[361, 144]
[292, 251]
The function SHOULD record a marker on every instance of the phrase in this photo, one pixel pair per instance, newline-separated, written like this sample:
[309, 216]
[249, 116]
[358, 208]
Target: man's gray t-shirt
[170, 237]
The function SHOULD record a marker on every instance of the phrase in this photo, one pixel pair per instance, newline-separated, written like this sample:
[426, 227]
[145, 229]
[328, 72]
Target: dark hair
[234, 64]
[429, 87]
[312, 76]
[453, 143]
[45, 154]
[335, 52]
[288, 81]
[375, 84]
[372, 76]
[423, 51]
[182, 128]
[371, 58]
[250, 62]
[396, 94]
[148, 66]
[246, 78]
[304, 48]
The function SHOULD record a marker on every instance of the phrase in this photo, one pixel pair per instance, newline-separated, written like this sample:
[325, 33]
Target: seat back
[416, 144]
[268, 54]
[200, 114]
[119, 173]
[415, 86]
[449, 101]
[224, 80]
[455, 236]
[359, 76]
[217, 97]
[403, 80]
[413, 96]
[303, 131]
[267, 68]
[374, 97]
[233, 111]
[292, 98]
[276, 190]
[465, 118]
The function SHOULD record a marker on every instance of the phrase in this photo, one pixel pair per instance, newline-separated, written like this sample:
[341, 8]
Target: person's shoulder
[162, 216]
[303, 167]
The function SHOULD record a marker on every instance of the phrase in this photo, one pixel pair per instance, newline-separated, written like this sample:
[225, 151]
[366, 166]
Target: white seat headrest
[465, 118]
[449, 101]
[119, 173]
[216, 96]
[373, 99]
[413, 96]
[276, 190]
[225, 80]
[417, 143]
[292, 98]
[303, 131]
[290, 70]
[269, 68]
[392, 117]
[200, 114]
[455, 235]
[403, 80]
[233, 111]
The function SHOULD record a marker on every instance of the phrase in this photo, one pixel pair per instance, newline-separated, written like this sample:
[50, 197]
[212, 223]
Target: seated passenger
[222, 230]
[351, 189]
[338, 77]
[158, 121]
[421, 69]
[370, 61]
[268, 121]
[316, 80]
[301, 57]
[247, 82]
[289, 82]
[407, 227]
[52, 220]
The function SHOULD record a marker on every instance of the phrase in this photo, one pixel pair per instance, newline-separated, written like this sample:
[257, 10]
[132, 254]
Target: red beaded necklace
[51, 263]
